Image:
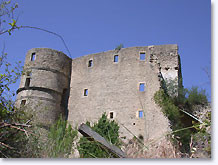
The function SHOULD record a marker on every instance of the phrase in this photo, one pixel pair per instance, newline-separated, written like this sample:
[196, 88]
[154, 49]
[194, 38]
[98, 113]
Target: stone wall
[114, 87]
[57, 86]
[49, 74]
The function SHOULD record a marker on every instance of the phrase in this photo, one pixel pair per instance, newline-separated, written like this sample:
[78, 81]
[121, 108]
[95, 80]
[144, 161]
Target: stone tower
[44, 85]
[120, 83]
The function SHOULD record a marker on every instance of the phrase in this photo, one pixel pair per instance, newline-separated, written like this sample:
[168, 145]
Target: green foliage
[202, 138]
[171, 110]
[173, 104]
[13, 26]
[106, 128]
[60, 139]
[14, 132]
[168, 106]
[197, 97]
[8, 77]
[184, 98]
[119, 47]
[18, 138]
[7, 9]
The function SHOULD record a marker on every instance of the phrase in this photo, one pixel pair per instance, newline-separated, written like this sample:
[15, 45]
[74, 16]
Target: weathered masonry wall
[113, 87]
[48, 72]
[120, 83]
[167, 56]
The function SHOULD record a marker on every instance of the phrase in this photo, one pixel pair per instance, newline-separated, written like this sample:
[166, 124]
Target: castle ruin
[121, 83]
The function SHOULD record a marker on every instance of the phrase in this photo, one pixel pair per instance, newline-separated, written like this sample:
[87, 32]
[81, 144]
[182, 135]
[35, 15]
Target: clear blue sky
[90, 26]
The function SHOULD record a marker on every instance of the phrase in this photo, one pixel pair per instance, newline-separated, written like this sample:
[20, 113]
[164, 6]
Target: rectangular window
[90, 63]
[23, 102]
[140, 114]
[85, 92]
[111, 115]
[33, 57]
[142, 56]
[116, 58]
[142, 87]
[27, 83]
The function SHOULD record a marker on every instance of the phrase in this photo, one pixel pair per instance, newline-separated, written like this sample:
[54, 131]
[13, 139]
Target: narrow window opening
[23, 102]
[167, 68]
[142, 87]
[27, 83]
[142, 56]
[64, 102]
[141, 137]
[140, 114]
[85, 92]
[90, 63]
[111, 115]
[29, 74]
[33, 57]
[64, 98]
[176, 68]
[116, 58]
[133, 123]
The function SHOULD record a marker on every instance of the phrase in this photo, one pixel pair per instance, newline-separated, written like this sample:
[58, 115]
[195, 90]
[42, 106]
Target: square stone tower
[122, 84]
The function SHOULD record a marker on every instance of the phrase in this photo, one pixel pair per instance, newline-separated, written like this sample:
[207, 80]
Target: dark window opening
[140, 114]
[133, 123]
[124, 137]
[64, 102]
[141, 137]
[29, 74]
[111, 115]
[33, 57]
[90, 63]
[116, 58]
[142, 87]
[142, 56]
[23, 102]
[167, 68]
[85, 92]
[64, 98]
[27, 83]
[176, 68]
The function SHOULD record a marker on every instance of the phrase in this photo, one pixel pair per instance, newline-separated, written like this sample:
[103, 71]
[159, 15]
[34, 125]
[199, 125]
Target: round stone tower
[44, 86]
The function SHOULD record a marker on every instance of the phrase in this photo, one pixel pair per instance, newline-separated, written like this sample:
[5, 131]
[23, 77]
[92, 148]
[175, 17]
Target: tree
[178, 108]
[15, 132]
[18, 136]
[106, 128]
[15, 127]
[7, 13]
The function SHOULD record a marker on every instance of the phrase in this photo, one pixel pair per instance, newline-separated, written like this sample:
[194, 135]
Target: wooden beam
[92, 135]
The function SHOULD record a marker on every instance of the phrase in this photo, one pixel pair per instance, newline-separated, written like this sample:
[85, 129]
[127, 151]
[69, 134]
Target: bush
[60, 139]
[106, 128]
[197, 97]
[168, 106]
[173, 104]
[18, 137]
[119, 47]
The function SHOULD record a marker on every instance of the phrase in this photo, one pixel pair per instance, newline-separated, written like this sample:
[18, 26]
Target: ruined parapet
[44, 85]
[170, 67]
